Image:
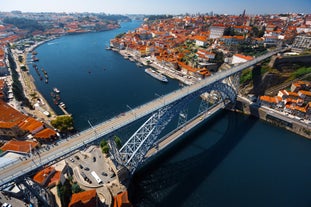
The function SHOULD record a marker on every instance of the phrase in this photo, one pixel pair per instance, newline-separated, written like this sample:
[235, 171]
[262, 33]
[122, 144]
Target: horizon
[149, 7]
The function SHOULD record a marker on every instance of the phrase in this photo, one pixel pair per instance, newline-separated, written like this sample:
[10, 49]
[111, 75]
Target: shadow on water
[167, 184]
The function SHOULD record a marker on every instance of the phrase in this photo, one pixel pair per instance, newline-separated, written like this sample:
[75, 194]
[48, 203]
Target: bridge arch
[133, 151]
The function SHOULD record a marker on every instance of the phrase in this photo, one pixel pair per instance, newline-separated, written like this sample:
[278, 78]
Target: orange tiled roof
[244, 56]
[30, 124]
[45, 133]
[187, 67]
[19, 146]
[40, 177]
[270, 99]
[54, 179]
[9, 117]
[85, 198]
[307, 93]
[121, 200]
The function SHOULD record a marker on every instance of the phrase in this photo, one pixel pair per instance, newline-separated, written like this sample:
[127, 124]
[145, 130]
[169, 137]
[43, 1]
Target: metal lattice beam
[133, 151]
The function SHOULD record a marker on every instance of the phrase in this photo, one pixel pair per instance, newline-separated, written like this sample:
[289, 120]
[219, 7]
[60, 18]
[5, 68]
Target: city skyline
[159, 7]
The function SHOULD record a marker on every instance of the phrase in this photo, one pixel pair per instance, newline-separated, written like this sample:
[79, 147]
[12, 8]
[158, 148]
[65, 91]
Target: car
[104, 174]
[94, 159]
[86, 168]
[81, 167]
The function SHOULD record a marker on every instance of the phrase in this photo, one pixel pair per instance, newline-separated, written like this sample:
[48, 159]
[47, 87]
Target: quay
[165, 70]
[275, 117]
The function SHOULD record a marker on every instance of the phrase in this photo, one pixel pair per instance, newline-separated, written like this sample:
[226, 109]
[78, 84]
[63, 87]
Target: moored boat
[56, 90]
[156, 74]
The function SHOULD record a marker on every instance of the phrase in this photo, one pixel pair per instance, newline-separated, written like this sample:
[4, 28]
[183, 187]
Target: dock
[64, 110]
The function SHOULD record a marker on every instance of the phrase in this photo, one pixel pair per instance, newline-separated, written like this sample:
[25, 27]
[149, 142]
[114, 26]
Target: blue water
[96, 84]
[232, 160]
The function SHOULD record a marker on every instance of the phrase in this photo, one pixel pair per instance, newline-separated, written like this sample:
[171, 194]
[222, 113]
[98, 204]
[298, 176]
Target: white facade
[216, 32]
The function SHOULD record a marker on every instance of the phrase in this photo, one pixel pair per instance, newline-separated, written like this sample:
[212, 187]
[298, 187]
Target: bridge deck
[73, 143]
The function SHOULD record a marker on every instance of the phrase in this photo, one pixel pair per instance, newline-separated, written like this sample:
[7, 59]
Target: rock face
[270, 82]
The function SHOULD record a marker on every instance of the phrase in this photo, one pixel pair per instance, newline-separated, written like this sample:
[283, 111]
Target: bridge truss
[134, 150]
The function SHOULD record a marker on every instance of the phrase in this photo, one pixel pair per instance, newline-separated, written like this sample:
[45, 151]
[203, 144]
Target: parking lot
[88, 162]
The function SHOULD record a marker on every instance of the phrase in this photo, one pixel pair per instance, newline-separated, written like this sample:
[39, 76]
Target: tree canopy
[63, 123]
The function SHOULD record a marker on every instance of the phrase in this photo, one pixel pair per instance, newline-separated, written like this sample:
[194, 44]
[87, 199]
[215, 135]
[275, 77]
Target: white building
[216, 31]
[239, 58]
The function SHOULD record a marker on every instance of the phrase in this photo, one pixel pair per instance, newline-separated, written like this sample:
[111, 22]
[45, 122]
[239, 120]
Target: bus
[99, 181]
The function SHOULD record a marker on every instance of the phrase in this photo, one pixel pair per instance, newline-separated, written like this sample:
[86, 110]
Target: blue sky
[159, 6]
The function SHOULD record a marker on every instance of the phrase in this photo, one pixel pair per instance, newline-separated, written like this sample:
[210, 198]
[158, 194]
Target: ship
[156, 75]
[56, 90]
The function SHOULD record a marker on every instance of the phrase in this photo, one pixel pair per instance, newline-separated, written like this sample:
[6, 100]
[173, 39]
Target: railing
[99, 130]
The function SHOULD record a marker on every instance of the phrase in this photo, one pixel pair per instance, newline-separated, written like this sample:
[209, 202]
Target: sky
[159, 6]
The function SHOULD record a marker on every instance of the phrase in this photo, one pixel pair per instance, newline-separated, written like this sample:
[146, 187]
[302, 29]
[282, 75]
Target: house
[271, 101]
[19, 146]
[15, 124]
[83, 199]
[121, 200]
[3, 90]
[300, 85]
[200, 41]
[216, 31]
[239, 58]
[9, 120]
[43, 176]
[305, 95]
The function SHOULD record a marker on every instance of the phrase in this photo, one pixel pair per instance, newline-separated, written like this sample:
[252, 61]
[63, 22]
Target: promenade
[30, 90]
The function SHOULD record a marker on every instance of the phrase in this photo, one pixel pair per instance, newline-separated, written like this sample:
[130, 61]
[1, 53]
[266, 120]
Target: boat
[61, 104]
[56, 90]
[156, 74]
[139, 64]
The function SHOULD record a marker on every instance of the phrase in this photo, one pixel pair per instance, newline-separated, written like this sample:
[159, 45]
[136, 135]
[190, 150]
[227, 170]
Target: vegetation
[250, 50]
[23, 23]
[17, 87]
[120, 35]
[64, 192]
[300, 72]
[246, 76]
[104, 146]
[118, 142]
[63, 123]
[75, 188]
[156, 17]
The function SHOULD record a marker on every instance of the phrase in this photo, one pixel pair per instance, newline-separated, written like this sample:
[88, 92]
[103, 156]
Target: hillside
[266, 80]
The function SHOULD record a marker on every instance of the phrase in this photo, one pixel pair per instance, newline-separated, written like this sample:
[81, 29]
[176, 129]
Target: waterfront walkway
[64, 148]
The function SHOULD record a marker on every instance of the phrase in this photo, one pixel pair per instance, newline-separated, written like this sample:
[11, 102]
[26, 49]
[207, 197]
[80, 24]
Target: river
[232, 160]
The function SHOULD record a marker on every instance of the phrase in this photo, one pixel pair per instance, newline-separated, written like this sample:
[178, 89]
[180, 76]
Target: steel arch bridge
[134, 150]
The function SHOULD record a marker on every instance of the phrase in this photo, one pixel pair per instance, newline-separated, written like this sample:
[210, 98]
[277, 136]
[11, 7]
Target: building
[121, 200]
[239, 58]
[19, 146]
[3, 90]
[216, 31]
[301, 43]
[14, 124]
[83, 199]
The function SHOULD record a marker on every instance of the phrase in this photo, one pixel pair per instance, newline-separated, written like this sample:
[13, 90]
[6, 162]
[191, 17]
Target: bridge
[133, 152]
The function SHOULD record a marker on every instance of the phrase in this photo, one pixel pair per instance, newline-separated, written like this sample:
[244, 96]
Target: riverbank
[165, 70]
[42, 110]
[274, 117]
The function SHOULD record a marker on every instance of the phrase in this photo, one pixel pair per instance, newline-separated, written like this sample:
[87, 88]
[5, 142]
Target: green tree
[63, 123]
[118, 142]
[64, 192]
[75, 188]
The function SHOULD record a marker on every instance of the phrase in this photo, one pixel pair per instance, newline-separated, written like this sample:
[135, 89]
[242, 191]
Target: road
[19, 168]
